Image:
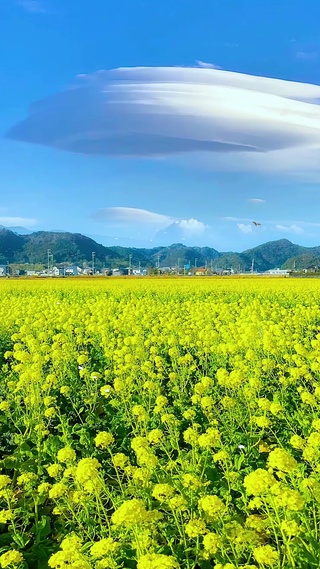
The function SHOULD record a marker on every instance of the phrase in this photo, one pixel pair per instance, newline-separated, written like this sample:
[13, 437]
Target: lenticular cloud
[164, 111]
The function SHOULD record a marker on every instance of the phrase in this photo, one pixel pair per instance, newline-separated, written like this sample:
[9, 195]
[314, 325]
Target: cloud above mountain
[239, 122]
[131, 216]
[158, 226]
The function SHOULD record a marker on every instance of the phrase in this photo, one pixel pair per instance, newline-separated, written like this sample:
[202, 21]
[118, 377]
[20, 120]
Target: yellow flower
[287, 498]
[103, 547]
[120, 460]
[54, 470]
[4, 481]
[66, 454]
[311, 453]
[314, 440]
[129, 513]
[228, 402]
[5, 516]
[10, 558]
[258, 482]
[220, 456]
[26, 478]
[178, 503]
[4, 406]
[69, 556]
[209, 439]
[316, 424]
[155, 436]
[58, 490]
[50, 412]
[43, 488]
[297, 442]
[212, 542]
[212, 506]
[48, 400]
[87, 473]
[162, 492]
[276, 408]
[189, 414]
[290, 527]
[266, 555]
[195, 527]
[138, 443]
[191, 436]
[169, 419]
[262, 422]
[140, 412]
[103, 440]
[282, 460]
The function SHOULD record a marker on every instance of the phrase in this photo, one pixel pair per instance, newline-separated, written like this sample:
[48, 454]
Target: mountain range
[74, 248]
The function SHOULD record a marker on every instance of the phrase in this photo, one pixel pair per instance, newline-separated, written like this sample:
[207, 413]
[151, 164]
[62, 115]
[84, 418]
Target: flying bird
[256, 223]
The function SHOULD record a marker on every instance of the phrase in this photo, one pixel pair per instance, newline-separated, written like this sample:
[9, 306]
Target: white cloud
[134, 217]
[191, 226]
[13, 221]
[241, 219]
[131, 216]
[295, 229]
[205, 65]
[247, 123]
[307, 55]
[256, 200]
[244, 228]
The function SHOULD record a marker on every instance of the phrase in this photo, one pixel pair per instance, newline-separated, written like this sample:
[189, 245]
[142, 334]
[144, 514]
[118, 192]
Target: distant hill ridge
[75, 248]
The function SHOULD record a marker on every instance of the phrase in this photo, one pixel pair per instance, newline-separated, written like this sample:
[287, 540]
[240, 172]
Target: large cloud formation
[163, 111]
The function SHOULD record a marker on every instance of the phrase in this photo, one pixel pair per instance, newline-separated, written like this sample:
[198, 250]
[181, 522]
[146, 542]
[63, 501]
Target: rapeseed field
[160, 424]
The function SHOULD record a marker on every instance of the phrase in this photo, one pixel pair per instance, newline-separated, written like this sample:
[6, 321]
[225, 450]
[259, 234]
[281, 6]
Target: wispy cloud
[307, 55]
[294, 229]
[256, 200]
[131, 216]
[205, 65]
[240, 219]
[33, 6]
[248, 123]
[245, 228]
[13, 221]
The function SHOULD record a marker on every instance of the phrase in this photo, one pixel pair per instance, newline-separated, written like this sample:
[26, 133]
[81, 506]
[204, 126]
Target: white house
[73, 270]
[282, 272]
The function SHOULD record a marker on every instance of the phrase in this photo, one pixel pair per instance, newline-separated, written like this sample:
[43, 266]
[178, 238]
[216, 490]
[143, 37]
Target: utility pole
[129, 270]
[178, 265]
[158, 262]
[195, 265]
[139, 267]
[252, 266]
[93, 256]
[49, 254]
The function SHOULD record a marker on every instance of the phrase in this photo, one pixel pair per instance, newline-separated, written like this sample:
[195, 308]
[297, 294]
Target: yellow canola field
[160, 424]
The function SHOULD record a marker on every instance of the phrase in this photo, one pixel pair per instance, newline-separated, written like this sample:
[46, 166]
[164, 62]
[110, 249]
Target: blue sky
[195, 198]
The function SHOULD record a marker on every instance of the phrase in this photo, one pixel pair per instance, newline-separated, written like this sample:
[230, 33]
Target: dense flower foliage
[152, 424]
